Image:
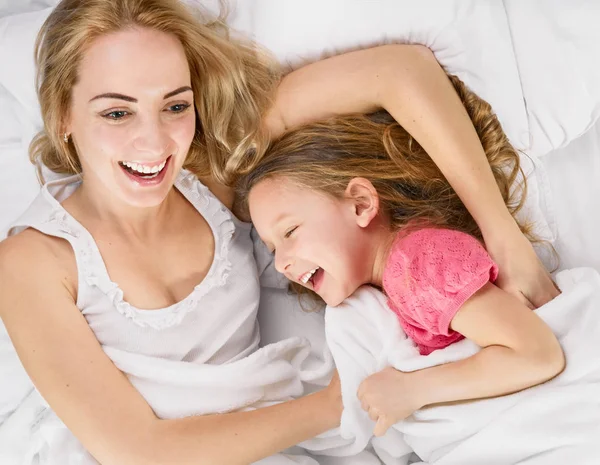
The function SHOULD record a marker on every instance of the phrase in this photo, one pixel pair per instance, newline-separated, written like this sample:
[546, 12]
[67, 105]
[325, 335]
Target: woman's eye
[179, 107]
[116, 115]
[290, 232]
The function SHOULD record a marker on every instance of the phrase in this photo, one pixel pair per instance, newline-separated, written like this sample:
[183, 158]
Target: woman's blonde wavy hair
[232, 80]
[325, 156]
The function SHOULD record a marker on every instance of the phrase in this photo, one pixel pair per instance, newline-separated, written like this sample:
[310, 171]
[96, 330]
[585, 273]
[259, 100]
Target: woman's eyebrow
[134, 100]
[177, 91]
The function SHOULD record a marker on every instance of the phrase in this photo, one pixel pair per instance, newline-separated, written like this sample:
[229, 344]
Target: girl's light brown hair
[232, 80]
[326, 155]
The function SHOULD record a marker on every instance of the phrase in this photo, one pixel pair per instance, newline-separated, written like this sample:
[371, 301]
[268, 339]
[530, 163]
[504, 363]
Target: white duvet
[555, 423]
[34, 435]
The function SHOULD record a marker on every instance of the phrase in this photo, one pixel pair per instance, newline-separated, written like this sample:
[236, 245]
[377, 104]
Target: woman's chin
[140, 195]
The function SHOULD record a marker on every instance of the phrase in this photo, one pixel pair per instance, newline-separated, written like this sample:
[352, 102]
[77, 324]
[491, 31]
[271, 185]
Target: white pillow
[470, 38]
[13, 7]
[475, 40]
[18, 180]
[557, 47]
[17, 39]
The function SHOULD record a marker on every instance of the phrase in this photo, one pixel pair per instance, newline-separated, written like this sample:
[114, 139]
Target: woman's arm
[410, 84]
[97, 402]
[518, 351]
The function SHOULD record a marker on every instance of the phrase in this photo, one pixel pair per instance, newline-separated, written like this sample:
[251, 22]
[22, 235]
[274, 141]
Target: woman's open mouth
[145, 173]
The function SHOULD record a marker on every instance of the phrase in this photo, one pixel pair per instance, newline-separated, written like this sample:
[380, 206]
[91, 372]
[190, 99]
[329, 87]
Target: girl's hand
[388, 397]
[522, 274]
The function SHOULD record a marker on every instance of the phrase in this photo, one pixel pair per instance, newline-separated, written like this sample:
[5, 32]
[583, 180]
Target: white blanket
[554, 423]
[279, 371]
[33, 434]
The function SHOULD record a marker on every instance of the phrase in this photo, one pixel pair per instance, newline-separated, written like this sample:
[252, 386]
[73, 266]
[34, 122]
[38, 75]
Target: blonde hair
[325, 156]
[232, 80]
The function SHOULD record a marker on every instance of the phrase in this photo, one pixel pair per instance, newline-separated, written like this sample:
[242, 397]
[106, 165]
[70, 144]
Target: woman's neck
[106, 212]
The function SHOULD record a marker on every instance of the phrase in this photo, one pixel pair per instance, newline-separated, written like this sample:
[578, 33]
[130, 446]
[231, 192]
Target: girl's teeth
[308, 275]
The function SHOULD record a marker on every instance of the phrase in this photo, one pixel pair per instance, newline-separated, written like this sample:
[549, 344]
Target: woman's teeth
[306, 276]
[138, 168]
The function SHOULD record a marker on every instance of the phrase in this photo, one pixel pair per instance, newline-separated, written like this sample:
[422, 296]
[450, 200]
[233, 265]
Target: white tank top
[215, 324]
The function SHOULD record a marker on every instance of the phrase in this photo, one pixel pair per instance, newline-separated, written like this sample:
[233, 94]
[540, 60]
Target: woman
[131, 91]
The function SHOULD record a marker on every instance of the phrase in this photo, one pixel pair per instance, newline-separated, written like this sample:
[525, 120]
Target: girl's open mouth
[313, 277]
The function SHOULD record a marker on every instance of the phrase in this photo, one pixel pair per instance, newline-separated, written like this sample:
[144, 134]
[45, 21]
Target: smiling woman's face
[132, 115]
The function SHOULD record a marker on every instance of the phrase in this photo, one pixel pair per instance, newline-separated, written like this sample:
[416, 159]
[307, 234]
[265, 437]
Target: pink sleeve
[431, 273]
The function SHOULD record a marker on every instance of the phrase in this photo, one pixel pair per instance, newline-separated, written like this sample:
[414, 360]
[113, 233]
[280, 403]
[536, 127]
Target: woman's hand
[388, 397]
[522, 274]
[334, 393]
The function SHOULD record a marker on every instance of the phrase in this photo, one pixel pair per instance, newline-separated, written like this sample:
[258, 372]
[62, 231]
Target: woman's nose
[152, 138]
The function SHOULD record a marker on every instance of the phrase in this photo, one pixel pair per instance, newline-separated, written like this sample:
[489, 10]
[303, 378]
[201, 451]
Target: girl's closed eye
[287, 235]
[290, 232]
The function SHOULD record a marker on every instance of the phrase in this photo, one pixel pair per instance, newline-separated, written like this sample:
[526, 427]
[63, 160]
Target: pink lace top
[429, 274]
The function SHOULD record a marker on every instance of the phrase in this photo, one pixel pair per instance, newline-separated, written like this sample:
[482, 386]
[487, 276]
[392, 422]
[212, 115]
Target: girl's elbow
[550, 360]
[558, 362]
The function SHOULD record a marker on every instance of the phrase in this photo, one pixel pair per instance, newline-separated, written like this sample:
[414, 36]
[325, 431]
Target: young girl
[355, 201]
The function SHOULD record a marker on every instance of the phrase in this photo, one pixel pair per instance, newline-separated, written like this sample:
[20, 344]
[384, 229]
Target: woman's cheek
[185, 130]
[111, 138]
[96, 145]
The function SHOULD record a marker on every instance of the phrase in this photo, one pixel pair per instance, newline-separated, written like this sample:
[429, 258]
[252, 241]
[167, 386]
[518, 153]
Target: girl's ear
[364, 200]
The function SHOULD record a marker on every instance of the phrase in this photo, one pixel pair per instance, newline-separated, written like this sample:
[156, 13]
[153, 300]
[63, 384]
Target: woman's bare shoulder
[31, 255]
